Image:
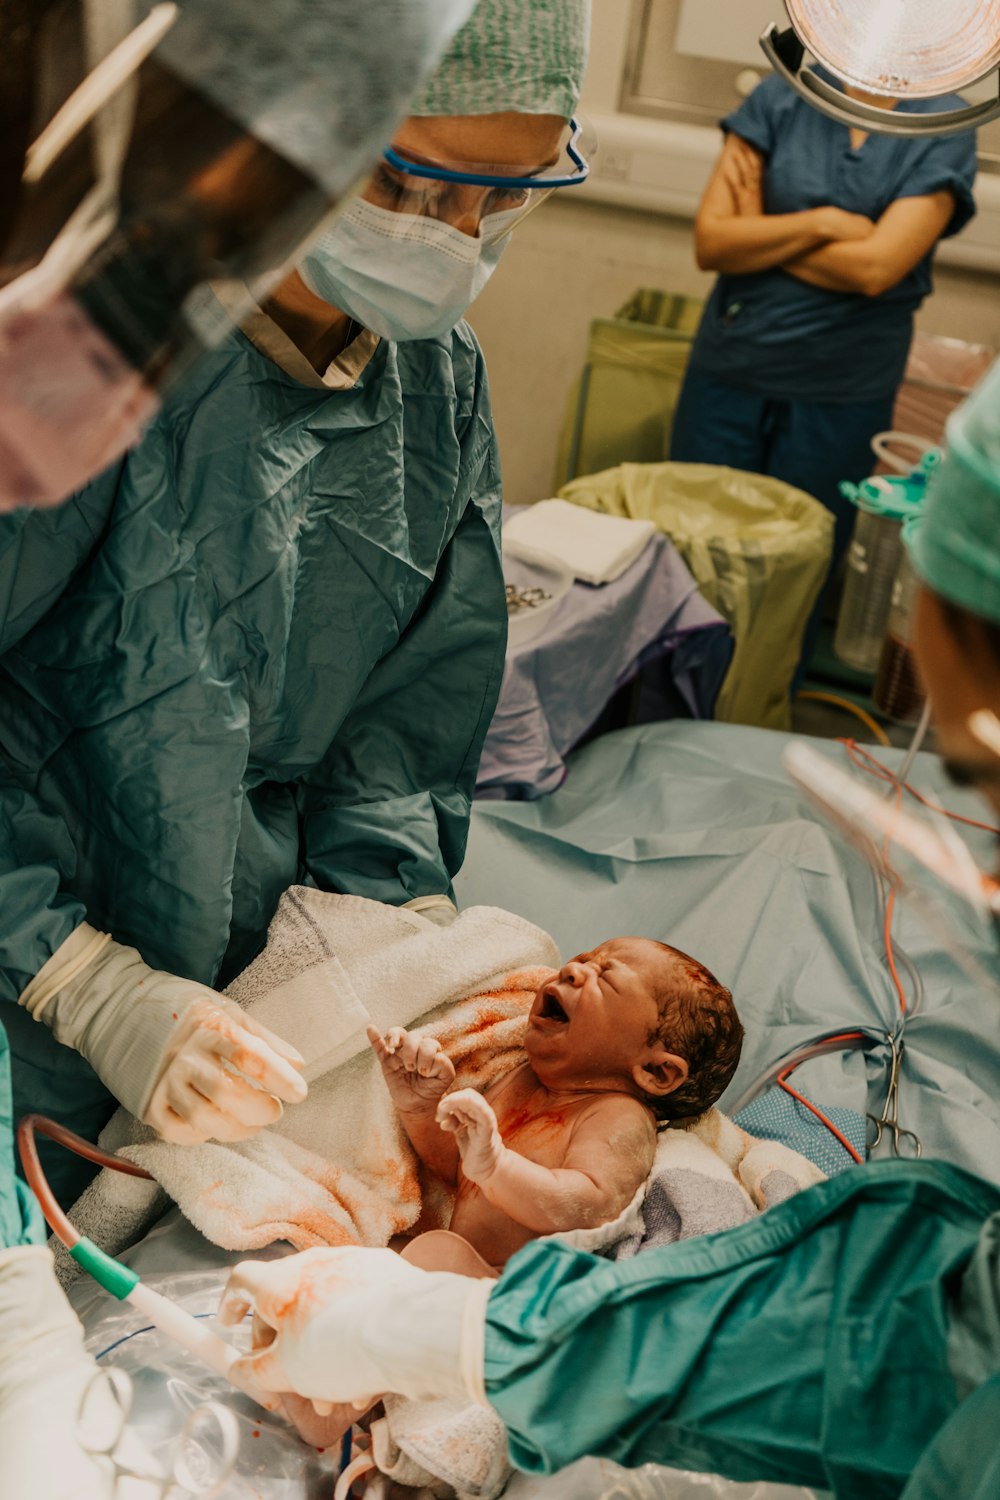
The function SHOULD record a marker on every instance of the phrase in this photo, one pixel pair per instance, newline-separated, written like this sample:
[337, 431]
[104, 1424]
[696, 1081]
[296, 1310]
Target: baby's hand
[415, 1069]
[466, 1115]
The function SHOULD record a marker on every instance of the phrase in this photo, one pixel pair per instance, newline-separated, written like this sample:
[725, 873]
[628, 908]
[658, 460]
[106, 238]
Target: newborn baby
[629, 1036]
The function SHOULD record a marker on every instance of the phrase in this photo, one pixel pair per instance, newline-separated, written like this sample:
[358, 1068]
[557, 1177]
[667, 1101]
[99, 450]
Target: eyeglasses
[485, 205]
[203, 1459]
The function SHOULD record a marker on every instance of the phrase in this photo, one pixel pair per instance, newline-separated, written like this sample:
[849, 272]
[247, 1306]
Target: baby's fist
[416, 1070]
[466, 1115]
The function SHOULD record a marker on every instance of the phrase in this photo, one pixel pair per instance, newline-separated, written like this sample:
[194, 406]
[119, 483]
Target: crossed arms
[826, 246]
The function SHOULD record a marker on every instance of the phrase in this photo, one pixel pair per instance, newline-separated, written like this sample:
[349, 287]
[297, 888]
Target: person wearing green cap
[848, 1339]
[264, 648]
[956, 552]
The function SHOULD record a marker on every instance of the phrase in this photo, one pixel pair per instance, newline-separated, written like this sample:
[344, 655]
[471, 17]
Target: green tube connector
[106, 1271]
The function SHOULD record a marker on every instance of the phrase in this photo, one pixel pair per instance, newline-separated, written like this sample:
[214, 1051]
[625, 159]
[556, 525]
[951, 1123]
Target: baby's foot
[318, 1431]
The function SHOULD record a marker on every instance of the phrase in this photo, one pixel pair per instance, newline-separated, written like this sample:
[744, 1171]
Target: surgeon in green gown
[264, 648]
[848, 1339]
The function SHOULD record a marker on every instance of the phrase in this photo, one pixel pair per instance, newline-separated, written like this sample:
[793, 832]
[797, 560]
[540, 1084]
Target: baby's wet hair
[697, 1021]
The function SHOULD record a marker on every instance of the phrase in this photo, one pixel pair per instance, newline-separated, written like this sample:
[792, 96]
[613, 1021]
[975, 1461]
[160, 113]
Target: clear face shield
[149, 150]
[486, 203]
[917, 850]
[897, 49]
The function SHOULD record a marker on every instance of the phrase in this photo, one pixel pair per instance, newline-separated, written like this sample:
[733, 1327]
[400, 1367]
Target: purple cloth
[651, 624]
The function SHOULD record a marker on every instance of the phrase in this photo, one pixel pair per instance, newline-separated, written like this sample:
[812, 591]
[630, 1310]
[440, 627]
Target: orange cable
[781, 1080]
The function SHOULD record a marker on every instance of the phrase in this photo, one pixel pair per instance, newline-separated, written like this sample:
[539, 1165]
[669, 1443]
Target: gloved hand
[351, 1324]
[178, 1055]
[440, 910]
[467, 1116]
[44, 1375]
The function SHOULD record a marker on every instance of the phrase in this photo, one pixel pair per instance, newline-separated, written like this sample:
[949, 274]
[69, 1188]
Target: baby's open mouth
[551, 1009]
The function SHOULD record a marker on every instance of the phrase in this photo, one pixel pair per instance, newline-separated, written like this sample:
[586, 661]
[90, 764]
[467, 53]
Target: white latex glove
[440, 910]
[44, 1374]
[467, 1116]
[181, 1057]
[350, 1324]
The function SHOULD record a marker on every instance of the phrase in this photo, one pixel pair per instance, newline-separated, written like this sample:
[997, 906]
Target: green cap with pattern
[522, 55]
[957, 548]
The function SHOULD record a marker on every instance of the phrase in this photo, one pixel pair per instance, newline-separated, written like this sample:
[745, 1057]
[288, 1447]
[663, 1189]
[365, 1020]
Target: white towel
[597, 548]
[337, 1168]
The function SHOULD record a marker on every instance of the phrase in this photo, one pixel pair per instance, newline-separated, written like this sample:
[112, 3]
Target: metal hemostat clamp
[888, 1120]
[518, 600]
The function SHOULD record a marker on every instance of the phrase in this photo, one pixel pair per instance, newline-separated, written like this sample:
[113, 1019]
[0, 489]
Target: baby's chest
[544, 1137]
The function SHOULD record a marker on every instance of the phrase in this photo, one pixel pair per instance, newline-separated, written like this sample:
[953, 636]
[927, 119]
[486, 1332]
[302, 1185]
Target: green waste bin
[759, 550]
[621, 409]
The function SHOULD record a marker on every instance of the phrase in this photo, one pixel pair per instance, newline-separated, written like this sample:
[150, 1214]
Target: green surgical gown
[848, 1338]
[21, 1221]
[264, 649]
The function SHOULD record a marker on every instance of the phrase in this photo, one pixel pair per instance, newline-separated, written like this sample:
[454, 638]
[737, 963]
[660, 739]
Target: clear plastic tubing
[884, 503]
[898, 692]
[193, 1335]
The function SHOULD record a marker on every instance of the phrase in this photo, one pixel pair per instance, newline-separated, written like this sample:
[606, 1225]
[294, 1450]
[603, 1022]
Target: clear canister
[897, 692]
[884, 503]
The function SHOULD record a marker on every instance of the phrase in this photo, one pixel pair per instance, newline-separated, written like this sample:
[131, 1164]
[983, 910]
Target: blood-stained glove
[350, 1324]
[181, 1057]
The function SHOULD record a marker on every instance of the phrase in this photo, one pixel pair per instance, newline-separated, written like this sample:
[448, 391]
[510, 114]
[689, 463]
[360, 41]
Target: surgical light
[899, 49]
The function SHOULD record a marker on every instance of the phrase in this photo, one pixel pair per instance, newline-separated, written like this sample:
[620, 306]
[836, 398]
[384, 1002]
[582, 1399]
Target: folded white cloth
[595, 547]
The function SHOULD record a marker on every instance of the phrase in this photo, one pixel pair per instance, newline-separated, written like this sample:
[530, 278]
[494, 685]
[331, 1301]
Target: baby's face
[592, 1019]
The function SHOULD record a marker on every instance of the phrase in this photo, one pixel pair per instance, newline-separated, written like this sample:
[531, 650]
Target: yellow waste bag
[759, 550]
[621, 407]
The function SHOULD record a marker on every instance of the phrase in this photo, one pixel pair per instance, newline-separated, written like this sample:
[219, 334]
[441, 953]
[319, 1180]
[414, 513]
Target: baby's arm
[609, 1154]
[417, 1073]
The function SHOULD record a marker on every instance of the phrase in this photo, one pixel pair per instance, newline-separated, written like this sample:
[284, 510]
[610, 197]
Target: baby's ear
[660, 1072]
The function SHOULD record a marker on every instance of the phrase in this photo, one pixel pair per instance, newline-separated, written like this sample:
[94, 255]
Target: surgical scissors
[888, 1120]
[203, 1459]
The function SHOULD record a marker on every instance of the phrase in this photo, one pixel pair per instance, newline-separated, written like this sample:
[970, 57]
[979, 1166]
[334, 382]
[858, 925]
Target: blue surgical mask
[404, 276]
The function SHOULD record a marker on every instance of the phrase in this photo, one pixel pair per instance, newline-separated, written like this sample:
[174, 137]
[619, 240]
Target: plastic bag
[168, 1383]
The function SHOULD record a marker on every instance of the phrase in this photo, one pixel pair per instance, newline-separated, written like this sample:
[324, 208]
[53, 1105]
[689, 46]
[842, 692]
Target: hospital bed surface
[691, 832]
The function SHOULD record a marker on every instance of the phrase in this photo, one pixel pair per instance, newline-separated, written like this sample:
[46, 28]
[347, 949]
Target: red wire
[872, 766]
[884, 773]
[28, 1148]
[821, 1117]
[847, 1036]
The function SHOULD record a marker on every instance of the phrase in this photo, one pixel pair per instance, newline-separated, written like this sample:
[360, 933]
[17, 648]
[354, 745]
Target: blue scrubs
[793, 380]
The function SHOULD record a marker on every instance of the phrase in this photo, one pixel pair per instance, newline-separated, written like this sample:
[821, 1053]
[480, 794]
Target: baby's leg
[441, 1250]
[321, 1432]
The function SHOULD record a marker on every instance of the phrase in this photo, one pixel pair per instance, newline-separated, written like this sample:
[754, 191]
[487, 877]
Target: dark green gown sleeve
[810, 1346]
[40, 551]
[386, 813]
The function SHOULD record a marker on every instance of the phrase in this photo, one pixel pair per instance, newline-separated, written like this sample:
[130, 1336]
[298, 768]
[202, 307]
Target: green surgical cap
[523, 55]
[956, 550]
